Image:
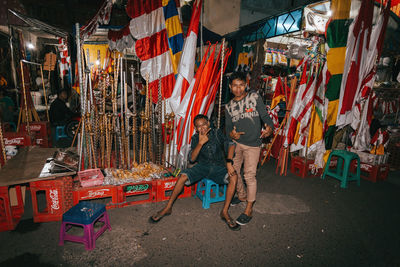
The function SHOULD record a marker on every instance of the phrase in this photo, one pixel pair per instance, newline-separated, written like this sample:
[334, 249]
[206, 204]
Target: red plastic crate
[10, 215]
[371, 172]
[135, 193]
[91, 177]
[96, 192]
[166, 185]
[41, 129]
[16, 139]
[58, 198]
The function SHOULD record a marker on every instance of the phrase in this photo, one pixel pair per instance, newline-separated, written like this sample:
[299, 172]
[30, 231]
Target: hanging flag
[120, 39]
[363, 51]
[336, 38]
[186, 65]
[155, 26]
[319, 112]
[102, 17]
[279, 94]
[65, 60]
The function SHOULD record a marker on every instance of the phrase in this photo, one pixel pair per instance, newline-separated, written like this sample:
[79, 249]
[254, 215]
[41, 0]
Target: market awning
[284, 23]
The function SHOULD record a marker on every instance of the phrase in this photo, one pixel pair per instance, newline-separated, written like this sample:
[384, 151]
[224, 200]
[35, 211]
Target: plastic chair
[84, 214]
[342, 171]
[210, 192]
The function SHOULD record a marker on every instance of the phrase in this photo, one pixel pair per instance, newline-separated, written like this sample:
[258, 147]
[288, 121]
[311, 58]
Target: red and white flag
[364, 45]
[186, 65]
[148, 27]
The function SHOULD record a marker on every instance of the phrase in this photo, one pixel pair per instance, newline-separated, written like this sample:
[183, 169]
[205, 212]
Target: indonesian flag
[148, 26]
[186, 65]
[279, 94]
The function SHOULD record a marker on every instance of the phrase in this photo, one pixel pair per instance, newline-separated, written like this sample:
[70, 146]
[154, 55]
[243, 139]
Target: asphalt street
[297, 222]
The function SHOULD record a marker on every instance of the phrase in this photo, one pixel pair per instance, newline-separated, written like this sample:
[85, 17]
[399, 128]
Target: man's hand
[235, 135]
[267, 132]
[231, 170]
[203, 137]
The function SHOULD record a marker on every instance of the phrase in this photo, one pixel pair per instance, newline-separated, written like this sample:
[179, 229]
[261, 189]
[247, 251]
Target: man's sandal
[157, 217]
[231, 223]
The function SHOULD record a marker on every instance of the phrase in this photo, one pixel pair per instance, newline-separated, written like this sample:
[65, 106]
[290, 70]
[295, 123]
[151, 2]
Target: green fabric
[330, 133]
[336, 33]
[333, 87]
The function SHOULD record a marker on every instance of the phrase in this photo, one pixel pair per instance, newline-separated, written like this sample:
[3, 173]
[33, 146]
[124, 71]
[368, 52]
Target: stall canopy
[39, 26]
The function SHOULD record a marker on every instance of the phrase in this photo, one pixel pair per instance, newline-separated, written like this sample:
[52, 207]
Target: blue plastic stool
[84, 214]
[210, 192]
[60, 132]
[342, 171]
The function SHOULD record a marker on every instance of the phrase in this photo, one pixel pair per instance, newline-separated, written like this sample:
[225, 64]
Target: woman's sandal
[157, 217]
[231, 223]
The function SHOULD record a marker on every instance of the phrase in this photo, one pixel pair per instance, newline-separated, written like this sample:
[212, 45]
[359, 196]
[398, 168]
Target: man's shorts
[216, 173]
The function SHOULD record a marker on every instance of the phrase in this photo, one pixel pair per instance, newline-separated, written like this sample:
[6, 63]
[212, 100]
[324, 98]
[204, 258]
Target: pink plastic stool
[84, 214]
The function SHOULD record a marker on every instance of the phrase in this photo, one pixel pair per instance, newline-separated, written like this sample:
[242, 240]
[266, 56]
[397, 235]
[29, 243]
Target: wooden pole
[45, 95]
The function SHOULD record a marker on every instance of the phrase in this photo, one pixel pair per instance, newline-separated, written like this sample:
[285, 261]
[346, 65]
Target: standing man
[243, 115]
[207, 149]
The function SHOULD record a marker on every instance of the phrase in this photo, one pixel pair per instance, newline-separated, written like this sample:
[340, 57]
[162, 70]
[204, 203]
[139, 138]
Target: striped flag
[156, 26]
[336, 38]
[186, 65]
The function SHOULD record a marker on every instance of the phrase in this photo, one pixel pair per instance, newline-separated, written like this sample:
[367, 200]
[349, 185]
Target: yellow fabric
[175, 60]
[326, 155]
[335, 59]
[276, 100]
[380, 150]
[173, 26]
[340, 9]
[243, 59]
[297, 135]
[316, 129]
[165, 2]
[94, 52]
[332, 112]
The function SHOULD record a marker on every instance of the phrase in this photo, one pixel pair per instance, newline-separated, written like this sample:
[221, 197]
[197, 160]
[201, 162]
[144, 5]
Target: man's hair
[198, 117]
[237, 75]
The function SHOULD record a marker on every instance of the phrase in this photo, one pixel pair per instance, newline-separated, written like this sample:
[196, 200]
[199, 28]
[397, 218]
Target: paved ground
[297, 222]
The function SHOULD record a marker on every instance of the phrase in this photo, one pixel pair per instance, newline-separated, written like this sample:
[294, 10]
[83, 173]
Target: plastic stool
[60, 132]
[204, 188]
[344, 159]
[85, 214]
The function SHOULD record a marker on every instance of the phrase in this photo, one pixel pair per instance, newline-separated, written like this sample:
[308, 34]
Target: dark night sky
[65, 13]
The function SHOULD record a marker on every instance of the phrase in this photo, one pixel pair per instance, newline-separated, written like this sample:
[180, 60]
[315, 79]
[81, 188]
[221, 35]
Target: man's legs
[237, 165]
[230, 191]
[175, 193]
[251, 157]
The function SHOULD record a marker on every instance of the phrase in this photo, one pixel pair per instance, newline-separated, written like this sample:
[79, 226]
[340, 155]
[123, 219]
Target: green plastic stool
[343, 174]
